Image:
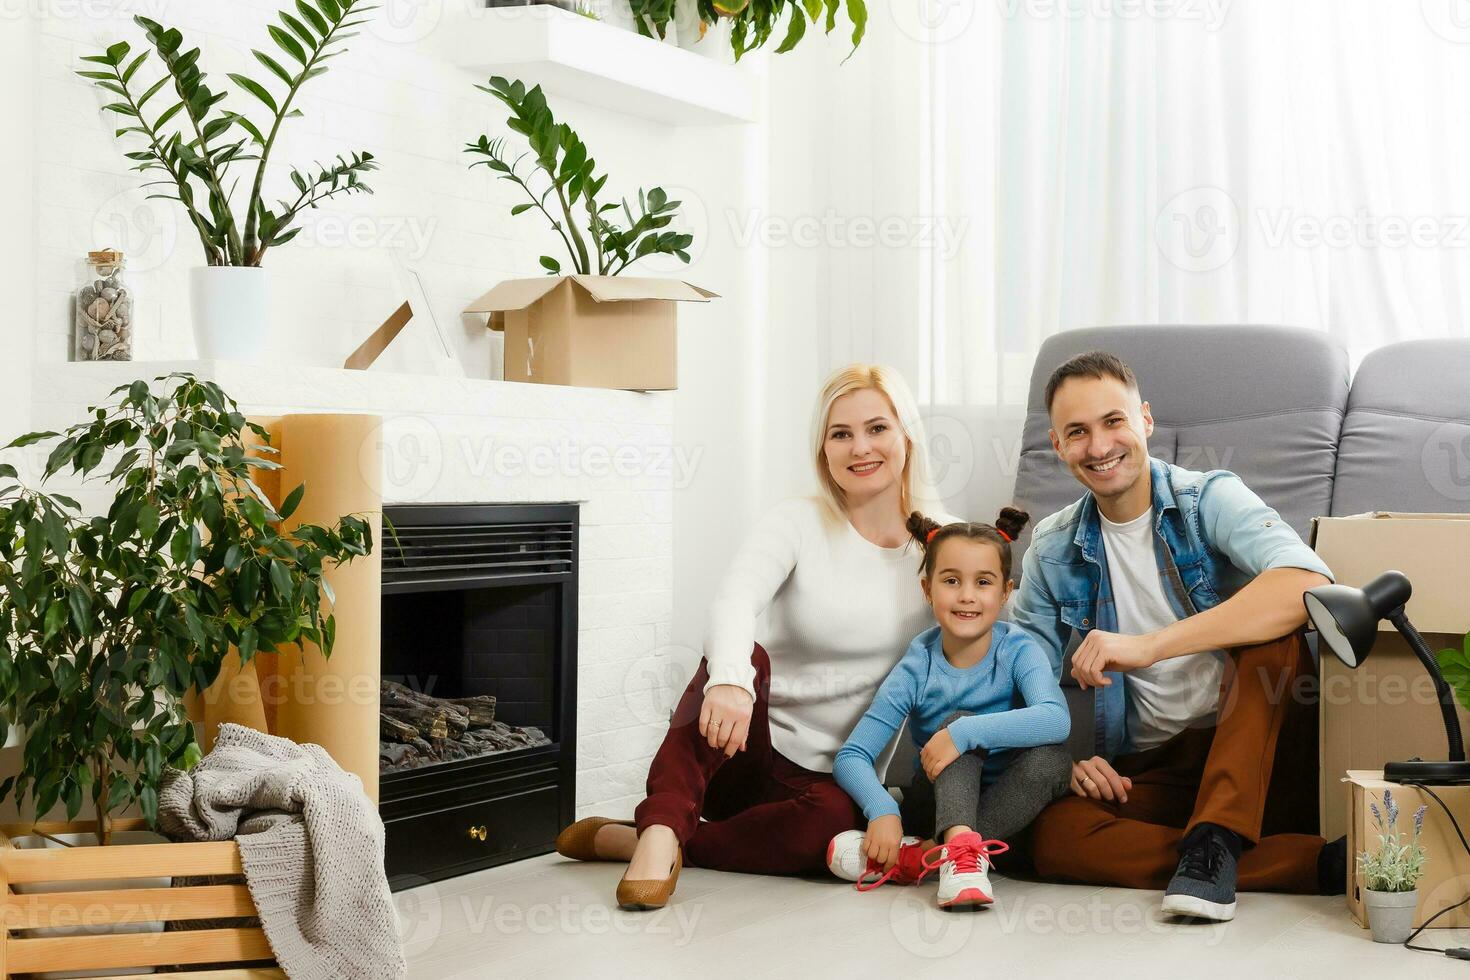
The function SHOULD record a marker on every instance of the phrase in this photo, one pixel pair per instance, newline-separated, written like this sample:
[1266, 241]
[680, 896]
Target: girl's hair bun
[1011, 521]
[921, 527]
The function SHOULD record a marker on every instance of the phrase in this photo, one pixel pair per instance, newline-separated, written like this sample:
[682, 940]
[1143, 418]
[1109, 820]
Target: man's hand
[938, 754]
[1096, 778]
[724, 718]
[885, 835]
[1102, 651]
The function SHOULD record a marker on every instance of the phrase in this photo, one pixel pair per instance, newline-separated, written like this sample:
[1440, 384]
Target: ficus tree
[193, 144]
[108, 621]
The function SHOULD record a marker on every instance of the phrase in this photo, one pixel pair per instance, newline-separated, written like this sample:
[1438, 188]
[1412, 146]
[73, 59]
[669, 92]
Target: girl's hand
[724, 718]
[885, 834]
[938, 754]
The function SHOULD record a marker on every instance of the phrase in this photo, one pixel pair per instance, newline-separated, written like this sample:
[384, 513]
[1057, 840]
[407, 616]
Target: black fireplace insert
[477, 737]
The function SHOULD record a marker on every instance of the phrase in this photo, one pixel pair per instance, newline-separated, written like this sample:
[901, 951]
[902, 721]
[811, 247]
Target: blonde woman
[751, 744]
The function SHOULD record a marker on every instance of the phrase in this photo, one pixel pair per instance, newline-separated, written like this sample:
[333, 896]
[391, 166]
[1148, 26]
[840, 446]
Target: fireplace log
[393, 730]
[479, 709]
[420, 721]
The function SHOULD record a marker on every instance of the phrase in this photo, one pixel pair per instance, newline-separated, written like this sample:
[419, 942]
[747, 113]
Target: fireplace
[477, 741]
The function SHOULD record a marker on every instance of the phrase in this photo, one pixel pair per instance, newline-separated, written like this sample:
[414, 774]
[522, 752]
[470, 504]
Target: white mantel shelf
[582, 59]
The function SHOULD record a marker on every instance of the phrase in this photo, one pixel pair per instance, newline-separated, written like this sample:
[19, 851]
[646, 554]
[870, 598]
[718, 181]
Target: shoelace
[1203, 860]
[966, 856]
[902, 868]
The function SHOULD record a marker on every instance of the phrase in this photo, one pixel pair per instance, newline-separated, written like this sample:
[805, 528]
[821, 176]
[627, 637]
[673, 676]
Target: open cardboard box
[1446, 878]
[594, 331]
[1386, 709]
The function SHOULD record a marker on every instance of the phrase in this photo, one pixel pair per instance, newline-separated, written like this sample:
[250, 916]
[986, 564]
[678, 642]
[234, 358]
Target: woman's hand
[885, 835]
[724, 719]
[938, 754]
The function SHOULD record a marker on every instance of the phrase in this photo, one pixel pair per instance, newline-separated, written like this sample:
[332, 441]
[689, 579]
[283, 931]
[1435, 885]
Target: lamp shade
[1348, 617]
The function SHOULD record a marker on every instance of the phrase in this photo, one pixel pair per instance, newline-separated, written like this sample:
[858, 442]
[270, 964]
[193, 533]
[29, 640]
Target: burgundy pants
[763, 813]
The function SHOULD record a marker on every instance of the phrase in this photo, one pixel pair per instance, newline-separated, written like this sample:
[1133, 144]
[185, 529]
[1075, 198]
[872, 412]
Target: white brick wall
[434, 436]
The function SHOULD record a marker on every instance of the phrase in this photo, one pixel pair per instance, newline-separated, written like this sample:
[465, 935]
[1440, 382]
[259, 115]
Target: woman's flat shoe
[644, 896]
[579, 841]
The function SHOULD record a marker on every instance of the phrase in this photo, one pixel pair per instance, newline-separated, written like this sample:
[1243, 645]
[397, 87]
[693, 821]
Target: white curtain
[1068, 163]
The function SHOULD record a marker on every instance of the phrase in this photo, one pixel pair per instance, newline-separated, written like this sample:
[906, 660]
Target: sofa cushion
[1406, 437]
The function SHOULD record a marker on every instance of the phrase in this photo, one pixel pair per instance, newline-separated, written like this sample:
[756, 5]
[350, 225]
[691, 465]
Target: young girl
[983, 707]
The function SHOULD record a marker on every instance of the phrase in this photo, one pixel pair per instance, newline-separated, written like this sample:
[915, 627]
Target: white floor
[548, 917]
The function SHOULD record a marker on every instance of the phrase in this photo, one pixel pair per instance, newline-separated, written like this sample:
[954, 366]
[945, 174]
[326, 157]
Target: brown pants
[1254, 770]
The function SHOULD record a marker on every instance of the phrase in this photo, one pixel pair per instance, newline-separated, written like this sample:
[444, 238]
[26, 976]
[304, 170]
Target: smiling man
[1186, 590]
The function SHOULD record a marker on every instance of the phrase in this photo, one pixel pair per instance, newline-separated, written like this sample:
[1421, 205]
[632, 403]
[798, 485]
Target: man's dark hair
[1092, 364]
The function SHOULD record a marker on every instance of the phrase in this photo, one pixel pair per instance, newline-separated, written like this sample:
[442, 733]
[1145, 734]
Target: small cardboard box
[594, 331]
[1446, 878]
[1385, 710]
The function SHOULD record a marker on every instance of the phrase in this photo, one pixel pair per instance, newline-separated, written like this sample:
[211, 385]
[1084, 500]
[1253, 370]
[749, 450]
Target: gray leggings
[1032, 778]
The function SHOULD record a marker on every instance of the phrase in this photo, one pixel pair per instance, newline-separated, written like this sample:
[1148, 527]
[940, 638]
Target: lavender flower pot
[1391, 914]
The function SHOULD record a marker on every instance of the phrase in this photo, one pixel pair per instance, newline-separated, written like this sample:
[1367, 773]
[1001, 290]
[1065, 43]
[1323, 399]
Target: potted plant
[1391, 873]
[753, 22]
[192, 145]
[561, 181]
[108, 621]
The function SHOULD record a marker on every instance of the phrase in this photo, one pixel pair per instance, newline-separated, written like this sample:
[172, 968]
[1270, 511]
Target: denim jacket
[1212, 535]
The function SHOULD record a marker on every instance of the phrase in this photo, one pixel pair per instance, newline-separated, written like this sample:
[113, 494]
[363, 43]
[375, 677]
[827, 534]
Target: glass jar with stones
[104, 310]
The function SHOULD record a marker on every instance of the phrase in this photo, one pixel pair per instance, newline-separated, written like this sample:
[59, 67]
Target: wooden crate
[20, 955]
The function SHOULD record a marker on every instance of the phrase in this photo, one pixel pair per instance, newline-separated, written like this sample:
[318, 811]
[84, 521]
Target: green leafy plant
[108, 621]
[1397, 865]
[561, 176]
[193, 144]
[1455, 665]
[753, 22]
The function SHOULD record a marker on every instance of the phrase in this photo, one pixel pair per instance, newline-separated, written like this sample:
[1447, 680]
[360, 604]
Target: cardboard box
[1446, 878]
[1386, 709]
[594, 331]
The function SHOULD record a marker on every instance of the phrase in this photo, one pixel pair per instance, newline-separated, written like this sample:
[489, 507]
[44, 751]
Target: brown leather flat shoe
[579, 841]
[645, 896]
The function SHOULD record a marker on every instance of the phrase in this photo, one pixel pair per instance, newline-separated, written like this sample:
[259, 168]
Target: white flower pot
[120, 839]
[229, 307]
[1390, 914]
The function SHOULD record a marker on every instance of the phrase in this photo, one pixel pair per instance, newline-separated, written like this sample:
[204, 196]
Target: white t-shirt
[1174, 694]
[834, 611]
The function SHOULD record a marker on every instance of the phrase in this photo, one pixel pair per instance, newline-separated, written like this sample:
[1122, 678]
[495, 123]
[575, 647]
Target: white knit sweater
[834, 611]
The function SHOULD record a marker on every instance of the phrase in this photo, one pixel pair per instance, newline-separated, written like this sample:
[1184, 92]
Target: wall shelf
[588, 61]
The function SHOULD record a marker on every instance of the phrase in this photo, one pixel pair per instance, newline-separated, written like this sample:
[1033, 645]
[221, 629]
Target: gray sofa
[1274, 405]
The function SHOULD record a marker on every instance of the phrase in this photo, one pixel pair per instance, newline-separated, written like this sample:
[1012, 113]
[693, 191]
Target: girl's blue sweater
[1011, 695]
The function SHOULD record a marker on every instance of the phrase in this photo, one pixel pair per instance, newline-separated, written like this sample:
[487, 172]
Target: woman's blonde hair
[915, 488]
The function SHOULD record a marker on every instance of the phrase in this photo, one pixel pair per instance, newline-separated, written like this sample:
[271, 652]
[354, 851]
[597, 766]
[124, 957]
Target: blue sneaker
[1203, 887]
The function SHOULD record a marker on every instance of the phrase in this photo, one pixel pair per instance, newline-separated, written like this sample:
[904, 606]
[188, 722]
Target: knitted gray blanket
[311, 843]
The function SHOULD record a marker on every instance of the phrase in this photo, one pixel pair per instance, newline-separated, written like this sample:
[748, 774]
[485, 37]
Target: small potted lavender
[1391, 875]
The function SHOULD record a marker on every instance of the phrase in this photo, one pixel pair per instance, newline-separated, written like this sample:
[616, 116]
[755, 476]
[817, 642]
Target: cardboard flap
[613, 289]
[514, 294]
[1433, 550]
